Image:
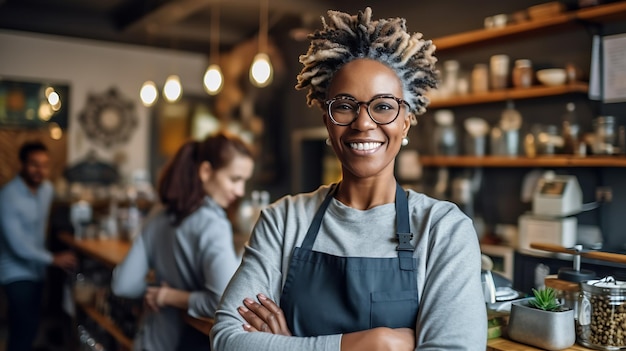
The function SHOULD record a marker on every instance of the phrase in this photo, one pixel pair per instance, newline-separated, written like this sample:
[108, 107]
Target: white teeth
[364, 146]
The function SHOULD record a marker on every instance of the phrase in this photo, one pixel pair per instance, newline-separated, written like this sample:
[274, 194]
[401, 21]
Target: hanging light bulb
[213, 77]
[149, 93]
[261, 71]
[172, 90]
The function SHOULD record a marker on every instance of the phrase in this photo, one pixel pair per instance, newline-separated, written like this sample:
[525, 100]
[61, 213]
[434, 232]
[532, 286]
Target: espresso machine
[556, 199]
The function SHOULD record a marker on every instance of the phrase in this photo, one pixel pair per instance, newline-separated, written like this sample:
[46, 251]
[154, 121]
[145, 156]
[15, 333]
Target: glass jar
[499, 70]
[522, 74]
[605, 136]
[602, 316]
[480, 78]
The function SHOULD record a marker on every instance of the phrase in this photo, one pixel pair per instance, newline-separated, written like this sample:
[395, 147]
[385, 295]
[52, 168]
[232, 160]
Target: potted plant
[542, 321]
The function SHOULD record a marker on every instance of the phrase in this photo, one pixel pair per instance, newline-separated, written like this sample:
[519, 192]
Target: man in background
[24, 208]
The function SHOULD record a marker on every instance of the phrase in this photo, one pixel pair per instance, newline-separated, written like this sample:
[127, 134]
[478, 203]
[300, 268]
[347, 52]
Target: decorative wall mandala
[108, 118]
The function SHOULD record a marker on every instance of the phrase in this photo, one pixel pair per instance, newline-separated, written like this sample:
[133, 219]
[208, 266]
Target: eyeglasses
[382, 109]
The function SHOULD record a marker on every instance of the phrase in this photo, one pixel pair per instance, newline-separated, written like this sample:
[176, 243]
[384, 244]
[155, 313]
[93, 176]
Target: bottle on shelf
[480, 78]
[445, 140]
[510, 124]
[523, 73]
[571, 130]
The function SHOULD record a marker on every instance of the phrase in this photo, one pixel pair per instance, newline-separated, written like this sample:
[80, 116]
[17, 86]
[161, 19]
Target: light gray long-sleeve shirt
[23, 225]
[197, 256]
[452, 313]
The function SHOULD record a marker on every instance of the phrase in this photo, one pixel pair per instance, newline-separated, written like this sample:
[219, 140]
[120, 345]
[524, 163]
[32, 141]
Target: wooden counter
[503, 344]
[111, 252]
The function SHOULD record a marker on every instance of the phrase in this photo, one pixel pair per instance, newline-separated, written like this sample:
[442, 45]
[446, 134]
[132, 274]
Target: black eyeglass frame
[367, 105]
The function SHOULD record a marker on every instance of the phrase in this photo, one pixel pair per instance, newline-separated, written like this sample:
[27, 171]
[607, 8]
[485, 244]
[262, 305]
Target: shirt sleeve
[260, 272]
[452, 313]
[14, 236]
[218, 262]
[127, 279]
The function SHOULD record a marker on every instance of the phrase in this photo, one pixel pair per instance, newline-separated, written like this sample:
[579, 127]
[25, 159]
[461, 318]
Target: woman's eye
[343, 106]
[383, 107]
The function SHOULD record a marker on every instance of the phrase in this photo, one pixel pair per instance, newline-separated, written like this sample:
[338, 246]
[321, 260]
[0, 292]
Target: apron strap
[314, 228]
[403, 231]
[404, 248]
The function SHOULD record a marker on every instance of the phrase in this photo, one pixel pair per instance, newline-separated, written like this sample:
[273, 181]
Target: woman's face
[365, 148]
[228, 183]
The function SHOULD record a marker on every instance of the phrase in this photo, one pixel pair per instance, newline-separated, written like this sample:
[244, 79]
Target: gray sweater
[197, 256]
[452, 313]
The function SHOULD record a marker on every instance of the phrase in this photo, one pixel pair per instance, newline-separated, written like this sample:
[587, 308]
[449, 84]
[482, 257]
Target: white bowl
[552, 76]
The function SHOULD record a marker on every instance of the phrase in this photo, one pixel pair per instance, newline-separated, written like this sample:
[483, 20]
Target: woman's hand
[155, 296]
[265, 316]
[164, 295]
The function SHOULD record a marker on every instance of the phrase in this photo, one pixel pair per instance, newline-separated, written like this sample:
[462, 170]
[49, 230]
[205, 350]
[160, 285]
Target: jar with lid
[604, 135]
[499, 71]
[480, 78]
[602, 316]
[445, 140]
[522, 73]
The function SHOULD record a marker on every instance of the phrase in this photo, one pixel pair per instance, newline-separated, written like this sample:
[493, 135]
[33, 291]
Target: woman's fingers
[266, 316]
[277, 314]
[255, 323]
[150, 299]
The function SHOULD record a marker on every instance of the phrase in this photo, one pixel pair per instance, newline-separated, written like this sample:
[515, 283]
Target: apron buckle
[404, 240]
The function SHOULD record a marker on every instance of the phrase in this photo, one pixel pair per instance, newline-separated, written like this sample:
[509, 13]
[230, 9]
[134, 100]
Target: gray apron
[326, 294]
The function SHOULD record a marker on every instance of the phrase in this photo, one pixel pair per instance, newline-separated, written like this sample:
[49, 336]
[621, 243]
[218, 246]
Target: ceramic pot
[544, 329]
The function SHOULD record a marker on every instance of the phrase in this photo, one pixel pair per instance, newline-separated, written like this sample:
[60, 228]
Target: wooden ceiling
[174, 24]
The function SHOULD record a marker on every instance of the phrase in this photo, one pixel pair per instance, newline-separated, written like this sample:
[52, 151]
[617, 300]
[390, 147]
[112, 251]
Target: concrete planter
[546, 330]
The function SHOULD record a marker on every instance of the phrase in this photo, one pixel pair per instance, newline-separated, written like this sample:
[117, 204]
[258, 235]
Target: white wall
[94, 67]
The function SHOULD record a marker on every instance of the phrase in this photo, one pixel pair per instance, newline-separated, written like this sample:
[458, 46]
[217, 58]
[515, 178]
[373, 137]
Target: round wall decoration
[108, 118]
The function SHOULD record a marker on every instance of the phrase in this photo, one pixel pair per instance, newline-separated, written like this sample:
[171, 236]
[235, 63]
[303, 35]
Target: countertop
[503, 344]
[111, 252]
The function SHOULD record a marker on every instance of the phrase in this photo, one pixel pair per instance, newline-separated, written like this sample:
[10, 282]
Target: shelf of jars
[509, 94]
[521, 161]
[596, 14]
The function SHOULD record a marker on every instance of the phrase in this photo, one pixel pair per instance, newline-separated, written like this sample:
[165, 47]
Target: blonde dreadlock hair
[346, 37]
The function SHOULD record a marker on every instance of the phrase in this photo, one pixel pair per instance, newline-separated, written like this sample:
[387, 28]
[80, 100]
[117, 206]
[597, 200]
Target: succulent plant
[545, 299]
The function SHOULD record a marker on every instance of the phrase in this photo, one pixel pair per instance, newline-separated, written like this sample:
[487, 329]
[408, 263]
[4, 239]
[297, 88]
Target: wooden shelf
[510, 162]
[603, 13]
[108, 325]
[596, 14]
[492, 35]
[510, 94]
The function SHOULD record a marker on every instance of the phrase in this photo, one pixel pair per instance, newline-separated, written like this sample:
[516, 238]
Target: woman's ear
[205, 171]
[407, 124]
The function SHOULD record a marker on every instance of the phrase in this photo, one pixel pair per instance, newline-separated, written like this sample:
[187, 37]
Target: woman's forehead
[365, 77]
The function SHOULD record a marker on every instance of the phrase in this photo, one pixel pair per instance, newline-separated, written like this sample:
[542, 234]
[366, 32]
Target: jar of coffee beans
[602, 315]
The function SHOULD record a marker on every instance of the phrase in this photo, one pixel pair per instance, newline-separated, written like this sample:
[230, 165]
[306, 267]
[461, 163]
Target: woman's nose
[363, 120]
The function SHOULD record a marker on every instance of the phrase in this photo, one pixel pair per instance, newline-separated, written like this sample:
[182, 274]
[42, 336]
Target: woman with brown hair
[188, 243]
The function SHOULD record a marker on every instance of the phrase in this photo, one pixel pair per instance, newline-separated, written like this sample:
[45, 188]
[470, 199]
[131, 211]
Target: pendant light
[213, 77]
[172, 90]
[261, 71]
[149, 93]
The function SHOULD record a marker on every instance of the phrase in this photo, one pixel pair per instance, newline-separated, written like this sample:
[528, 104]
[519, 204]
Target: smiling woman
[360, 264]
